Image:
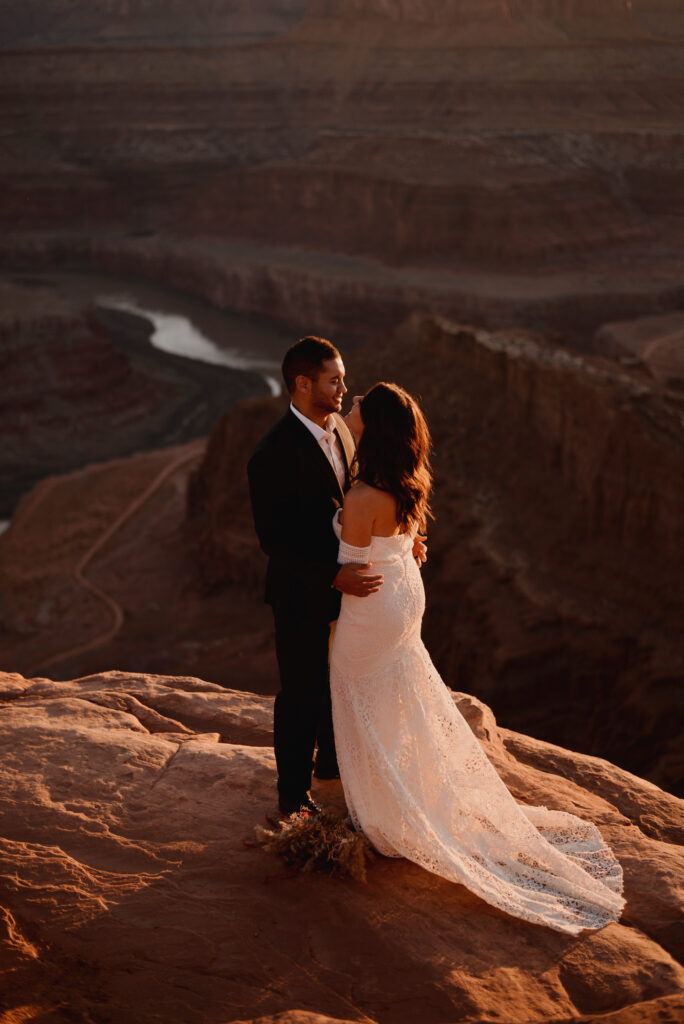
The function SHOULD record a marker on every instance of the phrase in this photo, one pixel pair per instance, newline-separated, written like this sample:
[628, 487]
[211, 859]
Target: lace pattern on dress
[419, 785]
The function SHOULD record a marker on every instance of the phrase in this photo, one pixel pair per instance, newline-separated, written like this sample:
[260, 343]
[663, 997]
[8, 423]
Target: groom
[298, 475]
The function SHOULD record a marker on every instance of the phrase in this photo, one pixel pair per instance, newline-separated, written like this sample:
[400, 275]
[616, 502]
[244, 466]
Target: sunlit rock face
[133, 890]
[538, 141]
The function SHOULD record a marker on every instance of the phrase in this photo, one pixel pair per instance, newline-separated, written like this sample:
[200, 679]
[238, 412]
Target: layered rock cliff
[145, 21]
[132, 889]
[529, 139]
[355, 298]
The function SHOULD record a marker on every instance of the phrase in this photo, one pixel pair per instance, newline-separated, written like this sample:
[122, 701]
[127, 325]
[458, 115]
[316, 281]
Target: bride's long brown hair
[394, 452]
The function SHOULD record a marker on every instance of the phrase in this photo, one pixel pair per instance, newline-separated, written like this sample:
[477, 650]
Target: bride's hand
[354, 579]
[420, 549]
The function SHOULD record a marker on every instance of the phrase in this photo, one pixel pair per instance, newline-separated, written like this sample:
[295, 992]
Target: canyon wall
[527, 140]
[355, 298]
[459, 156]
[144, 21]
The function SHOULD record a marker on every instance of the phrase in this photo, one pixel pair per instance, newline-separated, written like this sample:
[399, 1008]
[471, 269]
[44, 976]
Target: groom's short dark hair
[305, 358]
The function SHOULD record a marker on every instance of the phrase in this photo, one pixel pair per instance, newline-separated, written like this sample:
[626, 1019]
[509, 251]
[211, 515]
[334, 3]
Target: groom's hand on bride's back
[357, 580]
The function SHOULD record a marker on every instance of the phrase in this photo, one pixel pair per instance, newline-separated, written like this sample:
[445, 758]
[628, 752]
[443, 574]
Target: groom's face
[328, 388]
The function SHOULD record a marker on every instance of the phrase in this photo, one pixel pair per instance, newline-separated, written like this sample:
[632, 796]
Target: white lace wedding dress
[418, 783]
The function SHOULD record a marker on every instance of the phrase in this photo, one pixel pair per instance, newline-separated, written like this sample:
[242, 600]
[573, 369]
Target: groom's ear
[302, 383]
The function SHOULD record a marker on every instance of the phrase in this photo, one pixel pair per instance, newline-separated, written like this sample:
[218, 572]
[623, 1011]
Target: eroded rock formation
[131, 888]
[387, 149]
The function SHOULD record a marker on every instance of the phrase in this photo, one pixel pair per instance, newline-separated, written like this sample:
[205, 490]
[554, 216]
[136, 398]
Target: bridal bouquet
[319, 842]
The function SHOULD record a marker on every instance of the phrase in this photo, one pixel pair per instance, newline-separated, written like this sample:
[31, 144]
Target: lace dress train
[418, 783]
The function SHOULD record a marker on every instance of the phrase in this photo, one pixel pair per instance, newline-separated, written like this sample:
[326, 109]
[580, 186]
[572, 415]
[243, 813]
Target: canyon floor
[132, 888]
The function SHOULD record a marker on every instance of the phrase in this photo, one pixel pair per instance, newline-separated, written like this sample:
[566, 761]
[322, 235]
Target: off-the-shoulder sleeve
[350, 553]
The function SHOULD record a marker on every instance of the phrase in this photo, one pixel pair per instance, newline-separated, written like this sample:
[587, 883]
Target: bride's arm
[358, 516]
[355, 576]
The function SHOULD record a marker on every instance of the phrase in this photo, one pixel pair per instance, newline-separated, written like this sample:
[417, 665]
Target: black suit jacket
[295, 492]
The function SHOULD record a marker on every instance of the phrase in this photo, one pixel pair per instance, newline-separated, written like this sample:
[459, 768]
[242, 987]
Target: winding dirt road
[117, 615]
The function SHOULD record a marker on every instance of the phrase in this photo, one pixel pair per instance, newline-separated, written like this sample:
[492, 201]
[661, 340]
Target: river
[183, 324]
[182, 335]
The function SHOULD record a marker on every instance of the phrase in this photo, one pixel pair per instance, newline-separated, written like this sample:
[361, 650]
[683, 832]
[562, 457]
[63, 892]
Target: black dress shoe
[303, 804]
[325, 771]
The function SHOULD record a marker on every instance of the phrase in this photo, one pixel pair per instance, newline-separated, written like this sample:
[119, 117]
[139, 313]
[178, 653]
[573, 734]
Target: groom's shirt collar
[328, 441]
[318, 432]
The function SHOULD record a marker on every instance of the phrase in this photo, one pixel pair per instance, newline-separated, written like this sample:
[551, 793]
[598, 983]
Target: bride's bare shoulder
[358, 492]
[362, 495]
[369, 511]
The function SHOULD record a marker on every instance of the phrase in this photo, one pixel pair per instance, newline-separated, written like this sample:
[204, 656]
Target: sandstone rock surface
[131, 890]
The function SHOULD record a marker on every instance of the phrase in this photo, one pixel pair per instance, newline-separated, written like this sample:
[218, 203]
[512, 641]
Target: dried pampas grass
[319, 842]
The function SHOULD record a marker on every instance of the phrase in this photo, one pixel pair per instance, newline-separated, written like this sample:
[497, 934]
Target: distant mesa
[117, 22]
[656, 341]
[342, 164]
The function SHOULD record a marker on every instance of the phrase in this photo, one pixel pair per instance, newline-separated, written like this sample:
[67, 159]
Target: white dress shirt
[329, 442]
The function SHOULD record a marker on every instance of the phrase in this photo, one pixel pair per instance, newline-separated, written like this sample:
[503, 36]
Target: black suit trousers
[302, 713]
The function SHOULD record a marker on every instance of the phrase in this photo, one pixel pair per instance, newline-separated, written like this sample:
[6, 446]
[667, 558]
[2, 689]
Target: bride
[415, 778]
